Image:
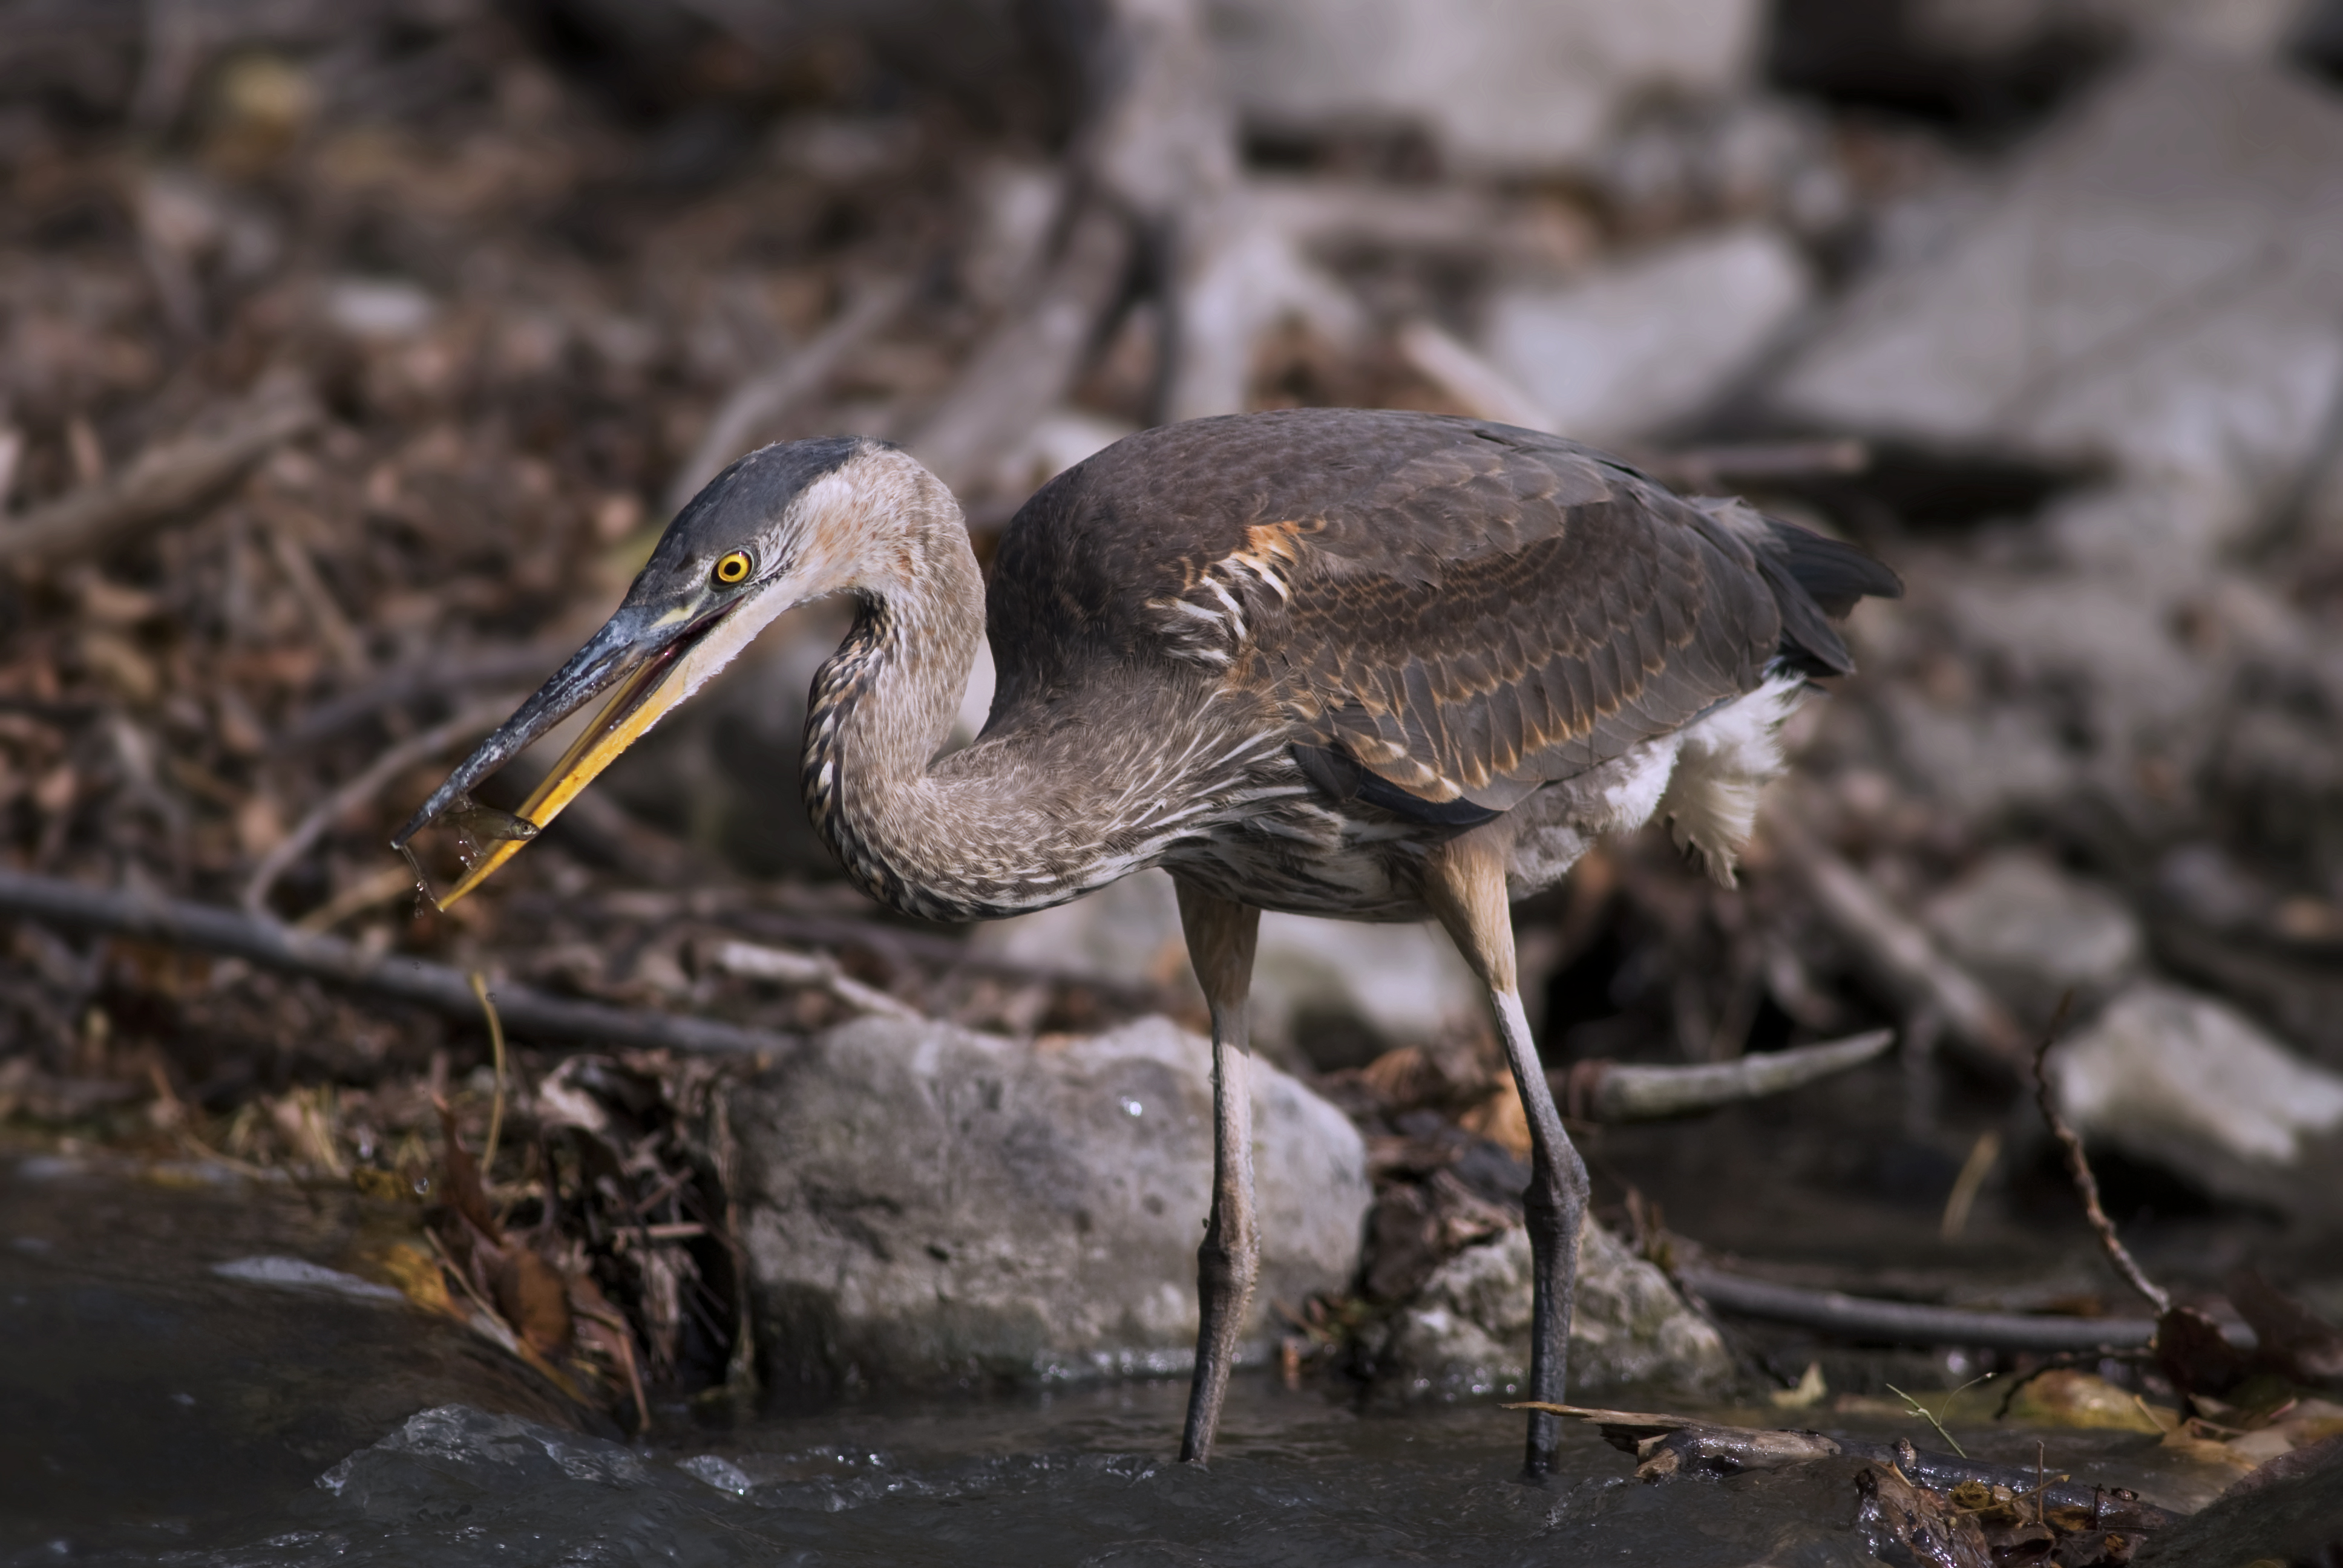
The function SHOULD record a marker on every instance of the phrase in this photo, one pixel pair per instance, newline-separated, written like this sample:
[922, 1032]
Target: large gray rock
[2033, 932]
[2152, 287]
[1652, 339]
[922, 1205]
[1467, 1330]
[2189, 1083]
[1506, 85]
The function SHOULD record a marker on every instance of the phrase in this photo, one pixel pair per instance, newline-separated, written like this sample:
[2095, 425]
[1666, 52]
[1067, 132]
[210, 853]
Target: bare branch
[753, 960]
[2078, 1167]
[1907, 1323]
[207, 928]
[1608, 1092]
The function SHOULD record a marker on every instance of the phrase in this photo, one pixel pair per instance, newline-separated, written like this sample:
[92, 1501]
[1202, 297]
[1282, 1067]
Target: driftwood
[550, 1020]
[1907, 1323]
[1611, 1092]
[162, 482]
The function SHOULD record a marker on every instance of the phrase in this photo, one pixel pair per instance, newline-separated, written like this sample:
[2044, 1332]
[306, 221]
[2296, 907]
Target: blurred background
[353, 354]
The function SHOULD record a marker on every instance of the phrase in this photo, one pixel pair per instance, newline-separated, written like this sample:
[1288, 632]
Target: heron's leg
[1465, 885]
[1220, 944]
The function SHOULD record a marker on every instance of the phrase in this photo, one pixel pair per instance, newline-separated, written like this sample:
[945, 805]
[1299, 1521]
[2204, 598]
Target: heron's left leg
[1465, 885]
[1221, 935]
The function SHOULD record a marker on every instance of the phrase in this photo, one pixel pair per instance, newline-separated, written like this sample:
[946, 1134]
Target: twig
[753, 960]
[326, 617]
[1902, 1323]
[1485, 391]
[208, 928]
[1899, 951]
[1611, 1092]
[2079, 1166]
[1925, 1413]
[763, 399]
[476, 719]
[496, 1105]
[164, 481]
[1966, 1186]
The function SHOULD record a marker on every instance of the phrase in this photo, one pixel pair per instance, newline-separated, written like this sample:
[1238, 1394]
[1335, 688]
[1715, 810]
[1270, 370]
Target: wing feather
[1460, 608]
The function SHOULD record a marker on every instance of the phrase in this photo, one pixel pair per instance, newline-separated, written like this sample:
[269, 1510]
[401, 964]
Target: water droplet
[1133, 1108]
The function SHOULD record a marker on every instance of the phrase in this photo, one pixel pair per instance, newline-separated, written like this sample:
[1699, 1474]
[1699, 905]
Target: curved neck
[971, 840]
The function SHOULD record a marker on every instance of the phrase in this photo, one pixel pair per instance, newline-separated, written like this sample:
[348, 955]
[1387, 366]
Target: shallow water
[158, 1407]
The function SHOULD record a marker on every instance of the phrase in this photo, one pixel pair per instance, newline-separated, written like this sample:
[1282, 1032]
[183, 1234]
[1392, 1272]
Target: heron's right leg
[1221, 935]
[1465, 885]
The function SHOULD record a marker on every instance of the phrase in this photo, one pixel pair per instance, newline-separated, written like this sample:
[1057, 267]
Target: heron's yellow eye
[733, 568]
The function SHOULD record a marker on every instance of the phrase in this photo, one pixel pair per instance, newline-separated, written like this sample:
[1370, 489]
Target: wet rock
[2285, 1512]
[1506, 85]
[925, 1206]
[1332, 993]
[1467, 1329]
[2186, 1082]
[1653, 339]
[2151, 289]
[2033, 932]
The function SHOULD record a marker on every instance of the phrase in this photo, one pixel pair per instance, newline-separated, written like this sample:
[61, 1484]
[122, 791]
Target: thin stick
[1966, 1186]
[496, 1105]
[552, 1020]
[2086, 1186]
[1925, 1413]
[1904, 1323]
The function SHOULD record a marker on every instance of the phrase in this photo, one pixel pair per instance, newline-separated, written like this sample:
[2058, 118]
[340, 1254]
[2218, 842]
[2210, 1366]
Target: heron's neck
[966, 841]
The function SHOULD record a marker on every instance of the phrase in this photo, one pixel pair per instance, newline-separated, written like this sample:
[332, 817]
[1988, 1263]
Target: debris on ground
[353, 363]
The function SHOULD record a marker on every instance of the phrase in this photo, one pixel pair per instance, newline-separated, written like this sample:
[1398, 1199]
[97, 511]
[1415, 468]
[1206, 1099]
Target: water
[189, 1377]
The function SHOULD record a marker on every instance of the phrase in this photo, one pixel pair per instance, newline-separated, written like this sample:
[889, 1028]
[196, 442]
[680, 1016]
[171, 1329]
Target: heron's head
[786, 524]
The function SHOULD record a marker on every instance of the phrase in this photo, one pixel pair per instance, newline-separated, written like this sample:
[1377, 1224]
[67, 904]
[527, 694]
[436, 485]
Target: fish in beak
[644, 664]
[748, 546]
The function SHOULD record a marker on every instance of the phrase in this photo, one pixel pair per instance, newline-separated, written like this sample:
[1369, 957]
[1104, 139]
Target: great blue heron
[1371, 665]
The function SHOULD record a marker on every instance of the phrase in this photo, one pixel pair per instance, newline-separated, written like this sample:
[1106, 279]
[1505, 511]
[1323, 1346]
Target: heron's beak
[647, 660]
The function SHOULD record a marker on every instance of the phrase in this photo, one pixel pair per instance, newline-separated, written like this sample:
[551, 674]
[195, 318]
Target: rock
[1334, 993]
[2033, 932]
[2284, 1512]
[2151, 289]
[1651, 340]
[2186, 1082]
[924, 1206]
[1509, 85]
[1467, 1330]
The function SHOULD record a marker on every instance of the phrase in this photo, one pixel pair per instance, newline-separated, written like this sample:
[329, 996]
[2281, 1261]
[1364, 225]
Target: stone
[1332, 993]
[1651, 340]
[2150, 288]
[1467, 1330]
[1500, 86]
[2186, 1082]
[924, 1206]
[2033, 932]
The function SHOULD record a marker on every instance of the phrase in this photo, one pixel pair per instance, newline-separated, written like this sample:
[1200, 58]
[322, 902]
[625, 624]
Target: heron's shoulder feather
[1460, 609]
